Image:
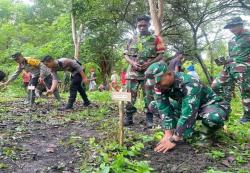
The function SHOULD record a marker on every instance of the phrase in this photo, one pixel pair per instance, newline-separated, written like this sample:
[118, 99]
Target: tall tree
[192, 15]
[76, 33]
[156, 11]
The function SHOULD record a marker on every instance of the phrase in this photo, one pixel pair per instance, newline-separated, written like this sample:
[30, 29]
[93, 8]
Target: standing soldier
[181, 100]
[78, 78]
[37, 70]
[237, 68]
[140, 52]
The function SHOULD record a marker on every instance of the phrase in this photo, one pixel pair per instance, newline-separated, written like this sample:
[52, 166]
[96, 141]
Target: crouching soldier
[37, 70]
[78, 78]
[181, 100]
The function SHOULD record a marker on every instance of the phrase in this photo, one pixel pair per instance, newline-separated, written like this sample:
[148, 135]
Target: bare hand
[49, 92]
[85, 81]
[136, 66]
[164, 146]
[167, 135]
[40, 80]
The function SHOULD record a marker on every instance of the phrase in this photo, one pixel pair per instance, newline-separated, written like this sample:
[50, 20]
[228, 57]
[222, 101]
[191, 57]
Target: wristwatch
[171, 139]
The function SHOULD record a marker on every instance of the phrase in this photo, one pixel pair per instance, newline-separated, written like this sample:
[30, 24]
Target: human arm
[160, 49]
[156, 59]
[189, 111]
[177, 68]
[84, 77]
[132, 62]
[54, 83]
[14, 75]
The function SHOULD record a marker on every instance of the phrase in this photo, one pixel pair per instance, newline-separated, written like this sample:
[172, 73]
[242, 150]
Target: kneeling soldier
[190, 101]
[78, 78]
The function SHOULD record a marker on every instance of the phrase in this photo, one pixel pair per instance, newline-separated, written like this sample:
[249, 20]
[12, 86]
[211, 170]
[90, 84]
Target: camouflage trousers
[234, 74]
[132, 86]
[212, 116]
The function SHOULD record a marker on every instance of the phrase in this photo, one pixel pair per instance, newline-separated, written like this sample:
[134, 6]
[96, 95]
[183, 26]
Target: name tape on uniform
[121, 96]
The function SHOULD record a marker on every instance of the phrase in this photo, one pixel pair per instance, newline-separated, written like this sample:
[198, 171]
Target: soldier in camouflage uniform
[237, 68]
[181, 100]
[140, 52]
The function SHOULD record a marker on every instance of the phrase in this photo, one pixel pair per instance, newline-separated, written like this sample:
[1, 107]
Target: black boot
[86, 103]
[68, 106]
[149, 120]
[128, 120]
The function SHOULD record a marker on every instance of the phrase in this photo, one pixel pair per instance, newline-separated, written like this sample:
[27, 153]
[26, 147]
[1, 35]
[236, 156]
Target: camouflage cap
[154, 72]
[234, 22]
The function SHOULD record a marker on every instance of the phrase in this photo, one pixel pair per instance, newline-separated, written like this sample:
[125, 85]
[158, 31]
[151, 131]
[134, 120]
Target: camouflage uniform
[186, 101]
[236, 71]
[142, 48]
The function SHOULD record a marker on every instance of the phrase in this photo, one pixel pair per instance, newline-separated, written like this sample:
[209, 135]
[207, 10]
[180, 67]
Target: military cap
[154, 72]
[16, 55]
[234, 22]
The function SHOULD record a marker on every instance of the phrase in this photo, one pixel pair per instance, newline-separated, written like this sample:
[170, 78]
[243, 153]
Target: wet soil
[184, 158]
[43, 140]
[40, 144]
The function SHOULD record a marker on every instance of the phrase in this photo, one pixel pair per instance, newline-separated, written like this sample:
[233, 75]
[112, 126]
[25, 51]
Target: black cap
[46, 58]
[234, 22]
[16, 55]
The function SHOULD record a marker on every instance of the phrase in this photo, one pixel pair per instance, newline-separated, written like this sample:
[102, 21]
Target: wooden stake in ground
[121, 97]
[121, 122]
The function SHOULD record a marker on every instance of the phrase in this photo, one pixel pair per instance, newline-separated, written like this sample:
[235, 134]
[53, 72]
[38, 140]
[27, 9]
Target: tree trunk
[197, 55]
[154, 15]
[210, 51]
[160, 11]
[76, 36]
[105, 66]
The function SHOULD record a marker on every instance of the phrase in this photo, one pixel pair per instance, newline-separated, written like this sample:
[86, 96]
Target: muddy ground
[184, 158]
[43, 139]
[40, 144]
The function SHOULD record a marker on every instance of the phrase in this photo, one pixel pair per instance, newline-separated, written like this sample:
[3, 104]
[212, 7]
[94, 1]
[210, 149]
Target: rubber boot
[149, 120]
[206, 137]
[128, 120]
